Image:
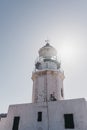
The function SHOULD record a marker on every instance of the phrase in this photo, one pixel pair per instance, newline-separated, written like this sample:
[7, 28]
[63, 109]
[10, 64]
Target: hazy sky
[24, 27]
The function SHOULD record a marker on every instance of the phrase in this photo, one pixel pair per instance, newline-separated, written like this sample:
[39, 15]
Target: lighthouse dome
[47, 51]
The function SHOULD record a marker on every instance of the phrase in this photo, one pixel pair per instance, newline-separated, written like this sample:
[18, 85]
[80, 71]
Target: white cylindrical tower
[47, 77]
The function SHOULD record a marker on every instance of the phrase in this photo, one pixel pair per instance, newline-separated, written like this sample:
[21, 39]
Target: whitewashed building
[48, 110]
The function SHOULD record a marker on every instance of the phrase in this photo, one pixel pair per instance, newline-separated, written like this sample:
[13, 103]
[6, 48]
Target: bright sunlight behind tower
[67, 52]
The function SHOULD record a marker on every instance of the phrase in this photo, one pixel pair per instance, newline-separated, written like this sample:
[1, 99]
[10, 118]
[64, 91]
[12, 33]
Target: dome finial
[47, 42]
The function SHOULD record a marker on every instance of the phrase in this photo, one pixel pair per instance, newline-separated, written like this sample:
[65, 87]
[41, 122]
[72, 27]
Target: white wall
[53, 112]
[45, 83]
[28, 116]
[57, 110]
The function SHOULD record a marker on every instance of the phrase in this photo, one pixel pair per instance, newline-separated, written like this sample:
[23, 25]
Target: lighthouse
[48, 76]
[48, 110]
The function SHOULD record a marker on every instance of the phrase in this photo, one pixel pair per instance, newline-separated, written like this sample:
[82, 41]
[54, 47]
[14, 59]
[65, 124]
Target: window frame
[39, 116]
[69, 121]
[16, 122]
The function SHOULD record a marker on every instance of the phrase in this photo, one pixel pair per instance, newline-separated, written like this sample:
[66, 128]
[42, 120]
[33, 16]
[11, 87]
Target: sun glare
[67, 52]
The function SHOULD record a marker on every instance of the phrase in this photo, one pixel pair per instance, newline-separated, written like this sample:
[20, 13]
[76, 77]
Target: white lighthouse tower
[47, 77]
[47, 111]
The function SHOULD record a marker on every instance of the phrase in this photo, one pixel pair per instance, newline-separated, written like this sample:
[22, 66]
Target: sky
[24, 27]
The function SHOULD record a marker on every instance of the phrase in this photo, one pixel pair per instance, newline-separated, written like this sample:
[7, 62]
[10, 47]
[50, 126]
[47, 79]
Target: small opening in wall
[61, 92]
[39, 116]
[16, 123]
[69, 121]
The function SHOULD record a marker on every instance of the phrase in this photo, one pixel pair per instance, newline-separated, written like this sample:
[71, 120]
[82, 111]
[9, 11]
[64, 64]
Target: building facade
[48, 110]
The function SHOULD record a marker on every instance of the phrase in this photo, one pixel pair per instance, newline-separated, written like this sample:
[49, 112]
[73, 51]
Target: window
[68, 120]
[61, 92]
[39, 116]
[16, 123]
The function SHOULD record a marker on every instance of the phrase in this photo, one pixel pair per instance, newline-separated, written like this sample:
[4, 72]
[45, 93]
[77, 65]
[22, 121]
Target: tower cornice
[44, 72]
